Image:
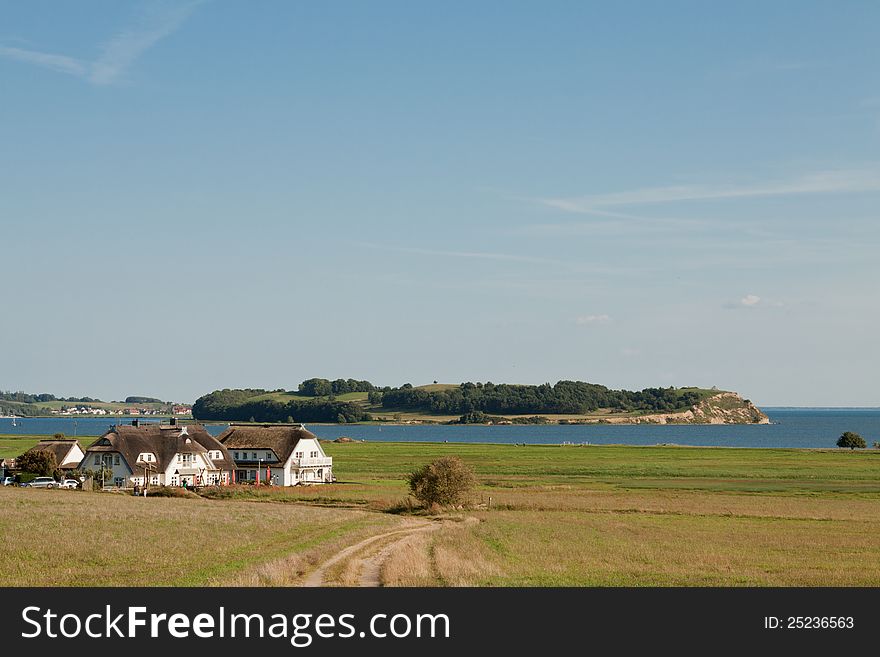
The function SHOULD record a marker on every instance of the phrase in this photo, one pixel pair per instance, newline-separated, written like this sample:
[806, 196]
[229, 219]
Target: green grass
[714, 468]
[293, 395]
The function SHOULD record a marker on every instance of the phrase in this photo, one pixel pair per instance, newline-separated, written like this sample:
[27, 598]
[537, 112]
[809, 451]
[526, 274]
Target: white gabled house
[160, 455]
[281, 454]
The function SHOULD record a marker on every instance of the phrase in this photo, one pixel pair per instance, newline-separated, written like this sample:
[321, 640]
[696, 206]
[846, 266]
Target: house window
[235, 455]
[116, 459]
[178, 458]
[97, 459]
[187, 459]
[299, 455]
[254, 456]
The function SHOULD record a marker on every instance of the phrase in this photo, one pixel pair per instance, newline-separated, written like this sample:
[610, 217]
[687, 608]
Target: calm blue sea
[791, 427]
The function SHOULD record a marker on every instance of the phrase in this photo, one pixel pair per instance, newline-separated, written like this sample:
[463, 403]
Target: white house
[283, 454]
[160, 455]
[68, 452]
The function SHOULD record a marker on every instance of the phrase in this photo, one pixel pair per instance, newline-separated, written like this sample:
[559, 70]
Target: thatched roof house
[163, 454]
[68, 452]
[286, 454]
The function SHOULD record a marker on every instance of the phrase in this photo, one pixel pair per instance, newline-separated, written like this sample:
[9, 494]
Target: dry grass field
[77, 538]
[567, 516]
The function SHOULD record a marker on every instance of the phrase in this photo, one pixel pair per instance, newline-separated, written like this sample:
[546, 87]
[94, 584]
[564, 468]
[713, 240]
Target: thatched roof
[163, 440]
[59, 447]
[280, 438]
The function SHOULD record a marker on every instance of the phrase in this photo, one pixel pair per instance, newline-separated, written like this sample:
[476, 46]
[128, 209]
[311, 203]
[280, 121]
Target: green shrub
[446, 481]
[851, 440]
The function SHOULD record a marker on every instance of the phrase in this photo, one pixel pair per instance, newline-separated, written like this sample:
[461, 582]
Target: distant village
[181, 410]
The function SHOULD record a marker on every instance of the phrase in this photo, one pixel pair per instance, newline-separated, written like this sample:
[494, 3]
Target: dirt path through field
[371, 566]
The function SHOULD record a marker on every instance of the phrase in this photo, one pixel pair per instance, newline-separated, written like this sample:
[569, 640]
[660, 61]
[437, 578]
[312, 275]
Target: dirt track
[371, 566]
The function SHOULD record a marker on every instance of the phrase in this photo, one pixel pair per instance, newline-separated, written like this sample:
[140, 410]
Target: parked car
[9, 481]
[42, 482]
[69, 483]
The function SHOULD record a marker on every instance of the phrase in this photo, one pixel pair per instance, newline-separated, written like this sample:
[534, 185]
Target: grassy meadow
[568, 516]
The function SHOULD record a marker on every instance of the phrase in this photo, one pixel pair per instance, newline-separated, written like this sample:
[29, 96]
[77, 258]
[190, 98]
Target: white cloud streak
[823, 182]
[60, 63]
[120, 52]
[592, 319]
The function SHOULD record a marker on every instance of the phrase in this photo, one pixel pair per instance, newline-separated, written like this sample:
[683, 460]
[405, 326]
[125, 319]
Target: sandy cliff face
[723, 408]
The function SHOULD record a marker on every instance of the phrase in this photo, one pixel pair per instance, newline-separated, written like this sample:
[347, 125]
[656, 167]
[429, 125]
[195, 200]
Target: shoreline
[667, 445]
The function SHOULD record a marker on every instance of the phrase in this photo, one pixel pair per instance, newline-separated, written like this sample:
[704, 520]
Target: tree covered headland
[28, 398]
[240, 406]
[27, 404]
[574, 397]
[315, 401]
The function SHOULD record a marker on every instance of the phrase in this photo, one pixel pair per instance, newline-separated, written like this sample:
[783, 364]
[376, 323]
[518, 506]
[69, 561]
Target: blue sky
[227, 194]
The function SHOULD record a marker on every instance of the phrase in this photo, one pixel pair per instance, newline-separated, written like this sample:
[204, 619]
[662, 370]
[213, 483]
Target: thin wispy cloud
[584, 320]
[751, 301]
[823, 182]
[60, 63]
[120, 52]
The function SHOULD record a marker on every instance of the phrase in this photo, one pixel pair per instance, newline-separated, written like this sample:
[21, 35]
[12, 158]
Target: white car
[69, 483]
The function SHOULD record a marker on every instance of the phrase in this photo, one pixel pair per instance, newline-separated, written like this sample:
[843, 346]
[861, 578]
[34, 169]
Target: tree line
[575, 397]
[326, 387]
[239, 405]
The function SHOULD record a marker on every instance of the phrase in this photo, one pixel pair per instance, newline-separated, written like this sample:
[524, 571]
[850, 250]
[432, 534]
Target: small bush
[445, 481]
[169, 491]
